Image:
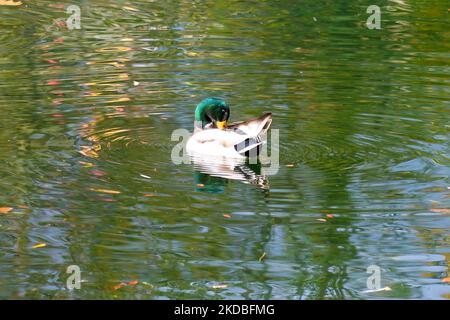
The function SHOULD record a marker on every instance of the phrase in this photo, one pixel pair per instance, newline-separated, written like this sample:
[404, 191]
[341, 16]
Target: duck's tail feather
[266, 121]
[254, 127]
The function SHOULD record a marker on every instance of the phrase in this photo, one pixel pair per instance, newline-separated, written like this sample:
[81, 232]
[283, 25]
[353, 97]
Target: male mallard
[214, 136]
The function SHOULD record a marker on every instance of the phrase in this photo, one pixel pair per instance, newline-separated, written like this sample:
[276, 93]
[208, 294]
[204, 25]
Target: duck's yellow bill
[221, 124]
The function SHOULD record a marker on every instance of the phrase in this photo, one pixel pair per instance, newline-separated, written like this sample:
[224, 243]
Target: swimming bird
[214, 136]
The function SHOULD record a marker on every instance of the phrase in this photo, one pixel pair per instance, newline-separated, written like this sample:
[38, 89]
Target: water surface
[85, 150]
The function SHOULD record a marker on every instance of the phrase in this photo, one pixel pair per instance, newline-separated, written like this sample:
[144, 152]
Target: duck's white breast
[214, 142]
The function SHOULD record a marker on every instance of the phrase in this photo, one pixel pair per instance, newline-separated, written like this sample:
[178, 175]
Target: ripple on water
[85, 145]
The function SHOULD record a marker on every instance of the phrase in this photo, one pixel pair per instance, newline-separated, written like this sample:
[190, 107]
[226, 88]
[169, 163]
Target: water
[85, 150]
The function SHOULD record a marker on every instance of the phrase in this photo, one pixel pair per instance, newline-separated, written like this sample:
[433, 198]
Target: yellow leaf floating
[105, 191]
[262, 257]
[5, 210]
[114, 49]
[130, 9]
[90, 152]
[86, 164]
[10, 3]
[191, 54]
[39, 245]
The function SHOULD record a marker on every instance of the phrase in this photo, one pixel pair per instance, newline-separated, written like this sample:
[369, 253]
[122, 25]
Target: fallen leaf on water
[9, 3]
[56, 5]
[219, 286]
[262, 257]
[149, 195]
[440, 210]
[147, 284]
[130, 9]
[117, 65]
[5, 210]
[57, 102]
[191, 54]
[39, 245]
[290, 165]
[59, 23]
[52, 82]
[51, 61]
[226, 216]
[105, 191]
[98, 173]
[329, 215]
[200, 185]
[321, 220]
[123, 284]
[446, 280]
[86, 164]
[120, 285]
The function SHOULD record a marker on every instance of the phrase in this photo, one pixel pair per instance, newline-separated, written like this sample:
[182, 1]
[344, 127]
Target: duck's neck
[198, 125]
[200, 118]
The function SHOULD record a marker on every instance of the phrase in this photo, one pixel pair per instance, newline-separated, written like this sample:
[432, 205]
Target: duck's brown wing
[253, 127]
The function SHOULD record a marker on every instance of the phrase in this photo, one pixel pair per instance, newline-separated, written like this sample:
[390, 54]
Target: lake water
[85, 150]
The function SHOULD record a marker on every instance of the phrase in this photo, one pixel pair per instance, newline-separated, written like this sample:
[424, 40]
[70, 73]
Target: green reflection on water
[85, 150]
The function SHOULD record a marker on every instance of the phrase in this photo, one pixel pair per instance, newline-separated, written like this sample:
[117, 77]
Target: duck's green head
[212, 113]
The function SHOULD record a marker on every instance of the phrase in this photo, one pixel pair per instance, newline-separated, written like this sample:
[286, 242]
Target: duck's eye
[223, 113]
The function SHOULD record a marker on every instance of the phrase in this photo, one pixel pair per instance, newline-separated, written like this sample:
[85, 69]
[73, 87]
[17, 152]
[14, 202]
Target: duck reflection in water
[212, 174]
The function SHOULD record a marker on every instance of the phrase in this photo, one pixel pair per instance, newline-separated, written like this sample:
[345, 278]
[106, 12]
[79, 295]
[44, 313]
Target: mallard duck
[214, 136]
